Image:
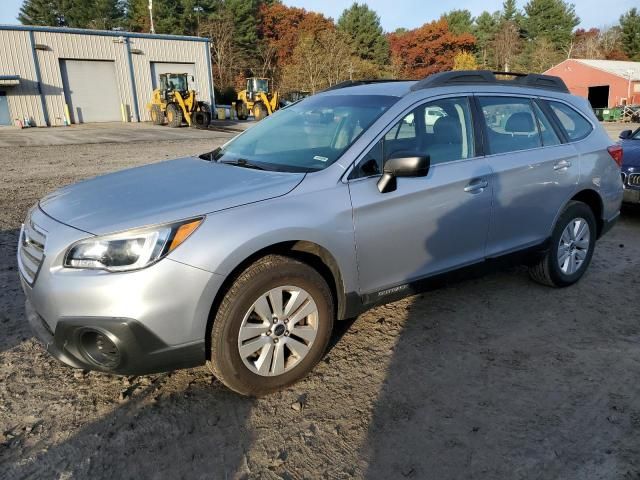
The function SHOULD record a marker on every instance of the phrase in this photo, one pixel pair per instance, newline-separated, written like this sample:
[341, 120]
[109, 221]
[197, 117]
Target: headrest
[521, 122]
[447, 130]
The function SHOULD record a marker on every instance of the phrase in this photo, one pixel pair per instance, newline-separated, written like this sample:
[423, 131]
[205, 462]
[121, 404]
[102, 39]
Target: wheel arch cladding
[593, 200]
[314, 255]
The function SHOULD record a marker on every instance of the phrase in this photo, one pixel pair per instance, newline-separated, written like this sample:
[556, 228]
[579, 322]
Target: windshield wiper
[242, 162]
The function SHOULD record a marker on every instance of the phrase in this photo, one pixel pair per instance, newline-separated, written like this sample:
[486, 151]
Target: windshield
[177, 82]
[307, 136]
[259, 85]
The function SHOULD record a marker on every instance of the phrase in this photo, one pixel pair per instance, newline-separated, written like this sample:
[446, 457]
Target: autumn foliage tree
[428, 49]
[282, 28]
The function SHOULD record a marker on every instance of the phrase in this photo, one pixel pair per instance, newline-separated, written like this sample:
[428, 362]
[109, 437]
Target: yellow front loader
[257, 99]
[175, 103]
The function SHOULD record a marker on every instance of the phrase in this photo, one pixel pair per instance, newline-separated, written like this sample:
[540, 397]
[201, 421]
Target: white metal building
[101, 76]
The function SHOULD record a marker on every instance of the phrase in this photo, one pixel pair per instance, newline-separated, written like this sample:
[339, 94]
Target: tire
[157, 115]
[238, 309]
[548, 270]
[259, 111]
[174, 115]
[200, 119]
[241, 110]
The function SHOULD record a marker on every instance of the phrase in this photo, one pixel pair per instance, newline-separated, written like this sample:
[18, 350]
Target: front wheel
[571, 248]
[272, 326]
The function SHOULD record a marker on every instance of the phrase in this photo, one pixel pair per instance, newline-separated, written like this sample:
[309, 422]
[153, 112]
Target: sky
[413, 13]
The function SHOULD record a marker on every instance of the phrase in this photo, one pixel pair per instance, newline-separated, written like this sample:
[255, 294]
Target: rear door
[534, 172]
[428, 224]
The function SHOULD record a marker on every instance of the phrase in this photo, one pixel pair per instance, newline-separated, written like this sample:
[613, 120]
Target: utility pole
[153, 29]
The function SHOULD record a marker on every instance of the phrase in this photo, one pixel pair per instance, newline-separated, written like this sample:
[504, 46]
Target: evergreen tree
[460, 21]
[630, 33]
[510, 11]
[553, 20]
[362, 26]
[95, 14]
[44, 12]
[485, 29]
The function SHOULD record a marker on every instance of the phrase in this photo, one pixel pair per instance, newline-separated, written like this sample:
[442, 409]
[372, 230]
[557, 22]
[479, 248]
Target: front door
[430, 224]
[5, 117]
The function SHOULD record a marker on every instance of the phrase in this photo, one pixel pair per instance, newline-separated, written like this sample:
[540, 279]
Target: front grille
[633, 179]
[624, 178]
[31, 250]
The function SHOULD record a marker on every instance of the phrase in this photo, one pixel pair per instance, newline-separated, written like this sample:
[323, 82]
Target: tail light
[616, 153]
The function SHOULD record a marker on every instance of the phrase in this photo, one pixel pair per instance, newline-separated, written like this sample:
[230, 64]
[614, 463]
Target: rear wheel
[272, 326]
[157, 115]
[174, 115]
[571, 248]
[200, 119]
[259, 111]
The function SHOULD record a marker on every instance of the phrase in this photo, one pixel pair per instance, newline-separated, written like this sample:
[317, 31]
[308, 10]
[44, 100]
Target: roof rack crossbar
[475, 77]
[355, 83]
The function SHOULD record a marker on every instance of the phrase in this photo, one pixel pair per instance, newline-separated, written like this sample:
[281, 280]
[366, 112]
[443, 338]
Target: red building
[605, 83]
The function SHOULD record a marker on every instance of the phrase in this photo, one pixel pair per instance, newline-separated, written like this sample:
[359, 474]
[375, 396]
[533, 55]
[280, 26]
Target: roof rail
[355, 83]
[476, 77]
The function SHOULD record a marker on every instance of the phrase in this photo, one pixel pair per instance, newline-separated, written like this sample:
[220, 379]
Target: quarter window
[511, 124]
[576, 126]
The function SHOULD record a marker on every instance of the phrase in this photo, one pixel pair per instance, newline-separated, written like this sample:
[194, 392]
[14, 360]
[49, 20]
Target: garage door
[5, 117]
[91, 90]
[163, 67]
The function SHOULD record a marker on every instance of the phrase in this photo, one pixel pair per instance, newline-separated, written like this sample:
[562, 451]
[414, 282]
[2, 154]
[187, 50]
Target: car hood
[162, 192]
[631, 153]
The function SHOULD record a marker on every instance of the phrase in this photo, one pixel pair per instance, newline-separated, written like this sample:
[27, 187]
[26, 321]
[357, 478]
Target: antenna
[153, 30]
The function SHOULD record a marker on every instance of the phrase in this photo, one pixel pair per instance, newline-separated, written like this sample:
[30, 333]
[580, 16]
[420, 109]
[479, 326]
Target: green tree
[553, 20]
[44, 12]
[362, 26]
[95, 14]
[460, 21]
[485, 29]
[630, 33]
[510, 11]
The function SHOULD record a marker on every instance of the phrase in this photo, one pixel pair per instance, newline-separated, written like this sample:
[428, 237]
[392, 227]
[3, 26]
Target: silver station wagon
[244, 257]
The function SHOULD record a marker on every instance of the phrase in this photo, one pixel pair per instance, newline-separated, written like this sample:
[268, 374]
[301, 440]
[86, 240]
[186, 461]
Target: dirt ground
[488, 377]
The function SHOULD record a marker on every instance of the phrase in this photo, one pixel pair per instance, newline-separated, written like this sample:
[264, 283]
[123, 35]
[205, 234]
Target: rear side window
[575, 125]
[511, 124]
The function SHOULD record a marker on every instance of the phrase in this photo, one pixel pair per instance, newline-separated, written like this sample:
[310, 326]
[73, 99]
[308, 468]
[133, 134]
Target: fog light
[100, 349]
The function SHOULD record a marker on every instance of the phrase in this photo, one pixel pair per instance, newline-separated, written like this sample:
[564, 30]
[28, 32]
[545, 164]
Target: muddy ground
[488, 377]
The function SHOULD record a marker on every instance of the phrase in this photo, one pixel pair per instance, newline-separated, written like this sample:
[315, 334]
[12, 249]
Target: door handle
[562, 165]
[476, 186]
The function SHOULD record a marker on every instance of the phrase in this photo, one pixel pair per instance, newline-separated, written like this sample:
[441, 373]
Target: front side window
[575, 125]
[441, 129]
[307, 136]
[511, 124]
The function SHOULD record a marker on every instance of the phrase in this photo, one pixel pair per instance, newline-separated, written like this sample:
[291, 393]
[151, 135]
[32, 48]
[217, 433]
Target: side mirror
[626, 134]
[402, 165]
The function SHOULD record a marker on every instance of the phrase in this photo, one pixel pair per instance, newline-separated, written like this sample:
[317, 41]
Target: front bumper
[631, 195]
[157, 317]
[140, 350]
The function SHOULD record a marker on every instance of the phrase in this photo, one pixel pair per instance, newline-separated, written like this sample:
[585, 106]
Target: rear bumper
[141, 351]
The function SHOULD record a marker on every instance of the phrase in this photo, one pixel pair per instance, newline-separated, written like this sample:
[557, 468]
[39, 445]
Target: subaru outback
[244, 257]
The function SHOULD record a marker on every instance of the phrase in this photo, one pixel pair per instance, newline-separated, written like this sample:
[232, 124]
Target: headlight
[129, 250]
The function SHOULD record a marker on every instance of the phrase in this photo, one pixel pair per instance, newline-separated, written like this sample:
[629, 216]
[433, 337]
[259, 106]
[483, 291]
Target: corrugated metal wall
[16, 58]
[167, 51]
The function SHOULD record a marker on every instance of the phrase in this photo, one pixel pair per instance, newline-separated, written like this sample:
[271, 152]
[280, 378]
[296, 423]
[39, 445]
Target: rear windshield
[307, 136]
